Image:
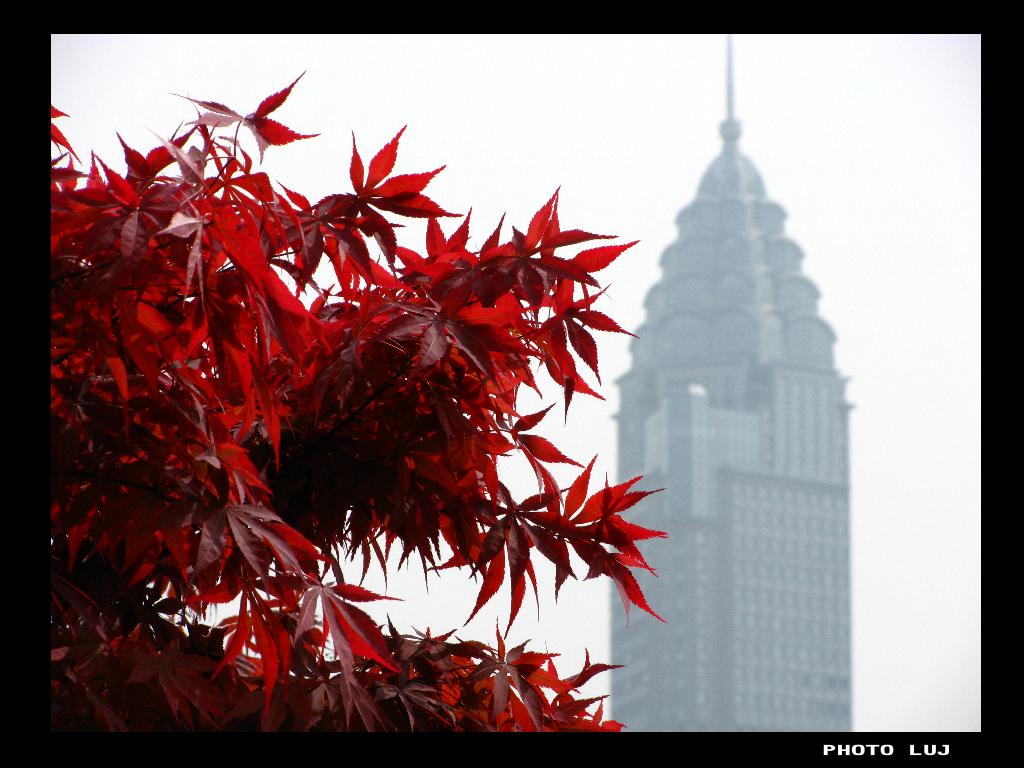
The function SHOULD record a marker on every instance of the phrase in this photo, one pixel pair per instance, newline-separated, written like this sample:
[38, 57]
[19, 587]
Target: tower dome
[731, 174]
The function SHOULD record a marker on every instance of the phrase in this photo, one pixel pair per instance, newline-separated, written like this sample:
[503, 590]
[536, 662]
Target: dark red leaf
[272, 133]
[578, 490]
[212, 541]
[570, 237]
[271, 103]
[136, 162]
[355, 593]
[433, 346]
[383, 161]
[539, 222]
[492, 581]
[584, 345]
[596, 259]
[416, 206]
[355, 170]
[406, 184]
[601, 322]
[526, 423]
[545, 451]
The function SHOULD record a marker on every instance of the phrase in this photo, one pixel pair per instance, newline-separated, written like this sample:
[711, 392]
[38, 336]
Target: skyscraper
[733, 404]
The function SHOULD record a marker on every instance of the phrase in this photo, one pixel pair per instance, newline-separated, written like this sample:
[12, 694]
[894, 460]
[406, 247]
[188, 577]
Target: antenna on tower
[730, 128]
[728, 78]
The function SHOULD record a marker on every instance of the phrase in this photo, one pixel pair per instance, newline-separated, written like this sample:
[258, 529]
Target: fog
[870, 143]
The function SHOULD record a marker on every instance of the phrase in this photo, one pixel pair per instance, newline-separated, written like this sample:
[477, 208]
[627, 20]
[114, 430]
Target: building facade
[733, 404]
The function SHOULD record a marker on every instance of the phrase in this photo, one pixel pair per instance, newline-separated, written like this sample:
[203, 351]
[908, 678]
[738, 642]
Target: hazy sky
[872, 145]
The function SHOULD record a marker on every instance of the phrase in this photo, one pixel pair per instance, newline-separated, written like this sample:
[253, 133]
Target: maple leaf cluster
[216, 441]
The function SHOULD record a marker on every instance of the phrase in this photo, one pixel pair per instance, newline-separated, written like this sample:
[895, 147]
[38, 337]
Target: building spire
[730, 128]
[728, 77]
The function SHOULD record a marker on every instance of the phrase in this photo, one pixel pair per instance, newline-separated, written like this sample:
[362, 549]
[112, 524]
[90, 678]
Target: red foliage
[214, 440]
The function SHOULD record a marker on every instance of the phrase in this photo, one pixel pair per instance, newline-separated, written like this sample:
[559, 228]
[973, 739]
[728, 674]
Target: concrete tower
[733, 404]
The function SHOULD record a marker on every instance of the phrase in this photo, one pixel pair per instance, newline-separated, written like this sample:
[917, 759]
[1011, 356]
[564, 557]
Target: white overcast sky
[872, 144]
